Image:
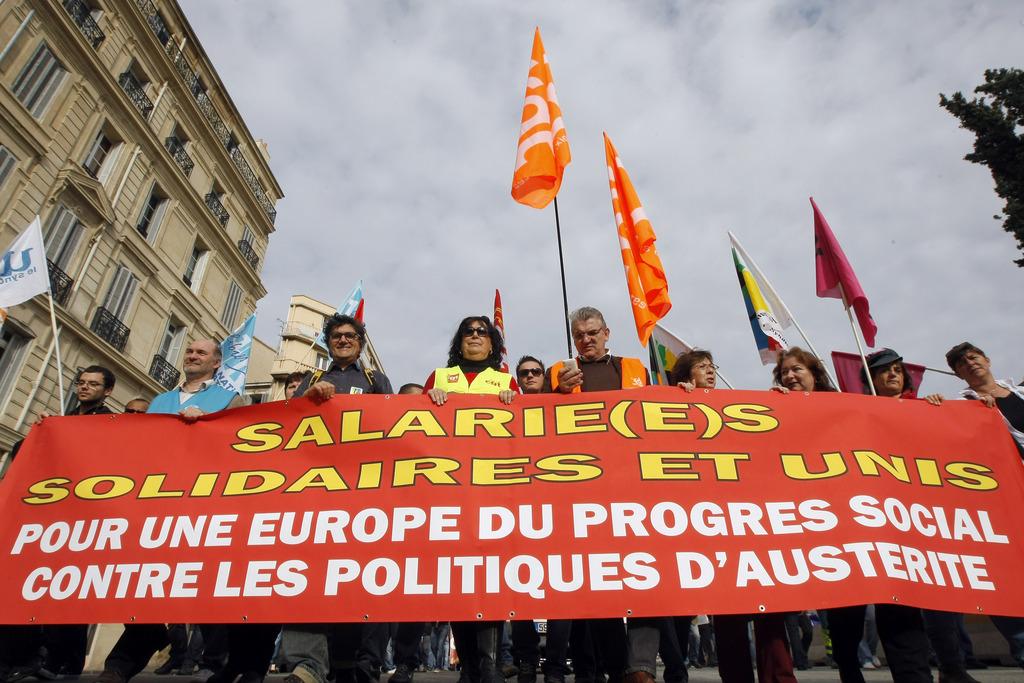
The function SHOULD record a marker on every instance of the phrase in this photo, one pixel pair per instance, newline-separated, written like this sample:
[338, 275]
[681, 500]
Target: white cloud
[392, 128]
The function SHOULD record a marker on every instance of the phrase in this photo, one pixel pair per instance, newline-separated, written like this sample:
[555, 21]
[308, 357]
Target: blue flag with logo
[235, 351]
[348, 307]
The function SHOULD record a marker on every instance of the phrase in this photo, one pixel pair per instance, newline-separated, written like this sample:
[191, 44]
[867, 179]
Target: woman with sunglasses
[474, 362]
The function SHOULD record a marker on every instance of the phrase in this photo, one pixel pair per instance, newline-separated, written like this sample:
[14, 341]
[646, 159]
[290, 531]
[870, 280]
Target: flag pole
[56, 342]
[856, 337]
[561, 266]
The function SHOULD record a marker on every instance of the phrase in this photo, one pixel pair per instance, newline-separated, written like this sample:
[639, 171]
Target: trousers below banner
[626, 503]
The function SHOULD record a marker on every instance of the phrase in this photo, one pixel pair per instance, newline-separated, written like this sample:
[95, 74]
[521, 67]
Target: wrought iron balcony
[164, 373]
[109, 328]
[80, 14]
[254, 184]
[216, 208]
[249, 254]
[205, 104]
[133, 89]
[181, 157]
[60, 283]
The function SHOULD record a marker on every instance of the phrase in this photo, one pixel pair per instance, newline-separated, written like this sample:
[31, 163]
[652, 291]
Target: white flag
[235, 351]
[23, 271]
[775, 302]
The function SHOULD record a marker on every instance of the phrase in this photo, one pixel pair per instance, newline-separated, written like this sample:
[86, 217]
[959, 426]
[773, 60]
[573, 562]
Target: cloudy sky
[392, 127]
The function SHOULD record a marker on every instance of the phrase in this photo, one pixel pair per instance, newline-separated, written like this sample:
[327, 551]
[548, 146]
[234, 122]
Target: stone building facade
[156, 201]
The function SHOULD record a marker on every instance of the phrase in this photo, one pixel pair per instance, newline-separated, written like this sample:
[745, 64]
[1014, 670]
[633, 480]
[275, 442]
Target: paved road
[816, 675]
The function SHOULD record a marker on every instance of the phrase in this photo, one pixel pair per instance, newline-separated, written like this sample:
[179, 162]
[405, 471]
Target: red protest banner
[385, 508]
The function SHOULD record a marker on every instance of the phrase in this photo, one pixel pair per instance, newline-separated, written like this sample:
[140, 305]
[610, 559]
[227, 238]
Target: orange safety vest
[634, 374]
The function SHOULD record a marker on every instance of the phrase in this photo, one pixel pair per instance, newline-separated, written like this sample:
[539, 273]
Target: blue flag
[235, 351]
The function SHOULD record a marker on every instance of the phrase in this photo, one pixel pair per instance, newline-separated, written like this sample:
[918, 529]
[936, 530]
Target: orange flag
[543, 151]
[645, 278]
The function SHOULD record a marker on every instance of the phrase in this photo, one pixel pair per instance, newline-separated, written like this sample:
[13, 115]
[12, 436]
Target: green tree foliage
[997, 120]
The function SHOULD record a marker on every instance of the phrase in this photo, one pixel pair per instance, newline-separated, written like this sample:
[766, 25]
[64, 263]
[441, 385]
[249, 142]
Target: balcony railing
[181, 157]
[202, 98]
[216, 208]
[254, 184]
[60, 283]
[164, 373]
[249, 254]
[109, 328]
[82, 17]
[133, 89]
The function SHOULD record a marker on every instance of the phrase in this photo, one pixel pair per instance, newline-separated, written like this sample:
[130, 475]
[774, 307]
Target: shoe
[186, 669]
[508, 670]
[638, 677]
[167, 667]
[956, 677]
[202, 676]
[527, 672]
[877, 662]
[868, 666]
[110, 676]
[973, 663]
[403, 674]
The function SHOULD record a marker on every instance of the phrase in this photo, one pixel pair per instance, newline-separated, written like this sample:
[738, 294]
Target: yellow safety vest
[453, 380]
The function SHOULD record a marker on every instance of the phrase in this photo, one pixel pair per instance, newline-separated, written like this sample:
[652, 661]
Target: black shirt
[1012, 408]
[352, 379]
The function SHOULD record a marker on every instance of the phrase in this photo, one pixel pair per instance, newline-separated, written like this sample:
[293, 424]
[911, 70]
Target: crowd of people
[599, 649]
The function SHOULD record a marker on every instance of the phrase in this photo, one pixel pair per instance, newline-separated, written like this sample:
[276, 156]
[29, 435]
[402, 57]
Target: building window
[61, 237]
[7, 163]
[122, 290]
[12, 349]
[39, 80]
[231, 306]
[152, 213]
[170, 347]
[322, 362]
[195, 266]
[99, 160]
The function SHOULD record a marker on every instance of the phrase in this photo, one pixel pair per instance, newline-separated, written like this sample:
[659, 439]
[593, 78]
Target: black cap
[879, 359]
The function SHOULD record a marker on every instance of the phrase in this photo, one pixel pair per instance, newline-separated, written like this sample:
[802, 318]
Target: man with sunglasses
[530, 373]
[136, 405]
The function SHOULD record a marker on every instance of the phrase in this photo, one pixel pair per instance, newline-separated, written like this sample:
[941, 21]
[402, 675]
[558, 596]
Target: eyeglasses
[528, 372]
[133, 410]
[475, 332]
[347, 336]
[704, 366]
[583, 334]
[91, 385]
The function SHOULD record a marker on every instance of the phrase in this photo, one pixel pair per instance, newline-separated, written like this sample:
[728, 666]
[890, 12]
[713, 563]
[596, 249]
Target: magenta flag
[832, 271]
[848, 372]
